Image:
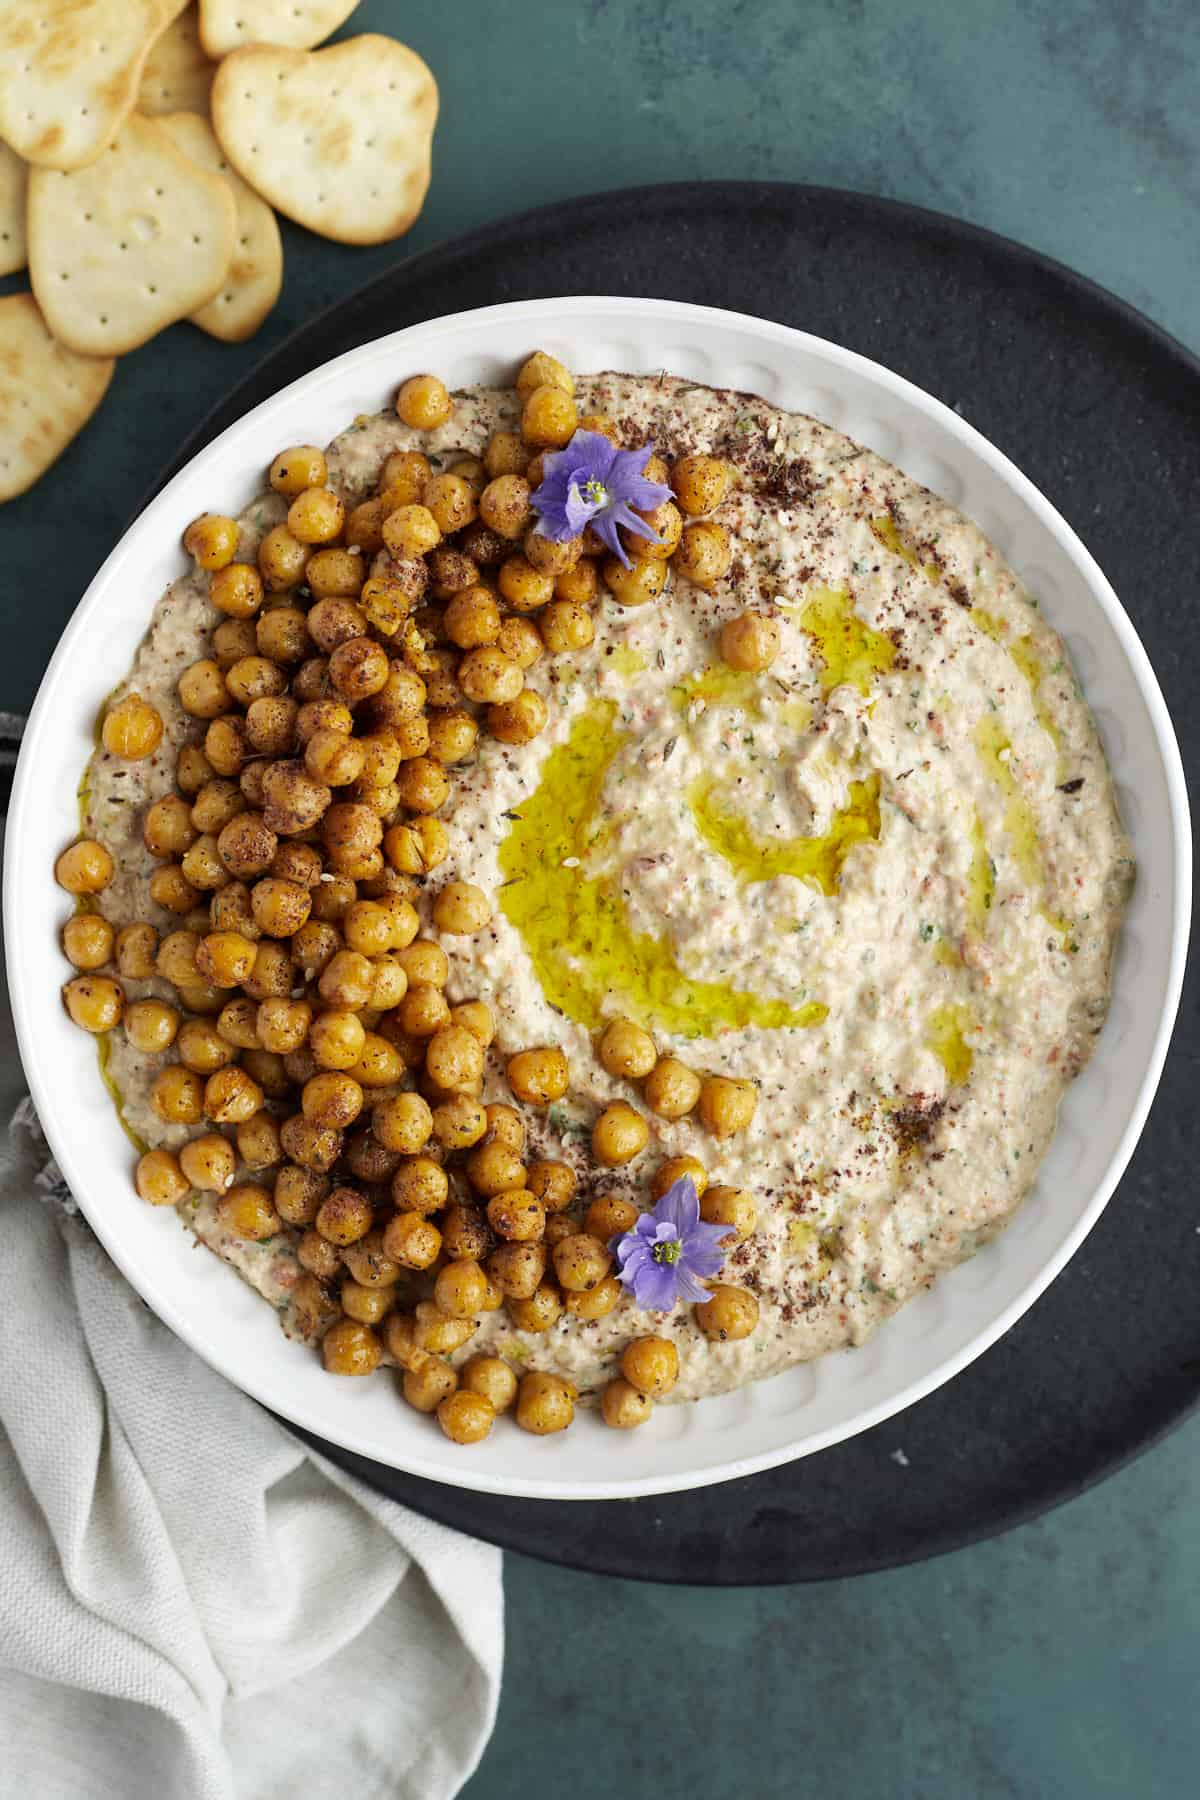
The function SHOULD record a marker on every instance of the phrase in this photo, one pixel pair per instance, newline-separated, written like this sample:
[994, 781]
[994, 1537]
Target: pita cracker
[71, 70]
[177, 76]
[47, 394]
[126, 246]
[337, 139]
[227, 25]
[14, 179]
[255, 276]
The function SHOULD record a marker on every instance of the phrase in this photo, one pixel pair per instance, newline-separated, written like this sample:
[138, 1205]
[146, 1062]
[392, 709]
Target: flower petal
[655, 1288]
[679, 1205]
[690, 1290]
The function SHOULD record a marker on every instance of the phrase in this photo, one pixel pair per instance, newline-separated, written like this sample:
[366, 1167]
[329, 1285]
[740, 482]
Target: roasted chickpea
[492, 1379]
[192, 769]
[132, 729]
[350, 831]
[364, 526]
[282, 1025]
[280, 907]
[608, 1216]
[312, 1146]
[404, 475]
[579, 585]
[423, 402]
[454, 1057]
[451, 500]
[334, 573]
[95, 1002]
[333, 1099]
[566, 625]
[88, 941]
[176, 957]
[581, 1261]
[211, 540]
[159, 1179]
[488, 676]
[151, 1026]
[303, 466]
[548, 418]
[751, 641]
[137, 948]
[404, 1123]
[483, 545]
[517, 1215]
[623, 1407]
[671, 1089]
[208, 1162]
[475, 1016]
[316, 516]
[412, 1240]
[642, 581]
[282, 560]
[459, 1122]
[666, 522]
[320, 1259]
[313, 1306]
[216, 803]
[518, 721]
[731, 1313]
[466, 1234]
[626, 1051]
[505, 454]
[238, 1023]
[700, 483]
[730, 1206]
[314, 947]
[505, 505]
[550, 557]
[368, 1305]
[331, 622]
[517, 1269]
[344, 1216]
[202, 870]
[619, 1134]
[411, 738]
[226, 745]
[201, 999]
[225, 958]
[389, 984]
[233, 639]
[332, 898]
[472, 619]
[258, 1143]
[411, 531]
[167, 828]
[231, 1096]
[254, 678]
[269, 1070]
[494, 1168]
[293, 801]
[505, 1126]
[704, 553]
[178, 1096]
[380, 1065]
[673, 1170]
[727, 1106]
[539, 1076]
[651, 1366]
[459, 1289]
[281, 632]
[598, 1302]
[351, 1348]
[237, 589]
[543, 370]
[524, 587]
[452, 737]
[271, 725]
[437, 1332]
[545, 1403]
[84, 868]
[540, 1312]
[420, 1185]
[553, 1183]
[429, 1384]
[418, 847]
[202, 690]
[461, 909]
[247, 845]
[423, 784]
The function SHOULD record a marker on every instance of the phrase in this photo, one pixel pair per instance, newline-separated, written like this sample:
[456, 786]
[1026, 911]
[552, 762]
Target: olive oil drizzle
[851, 651]
[817, 859]
[573, 925]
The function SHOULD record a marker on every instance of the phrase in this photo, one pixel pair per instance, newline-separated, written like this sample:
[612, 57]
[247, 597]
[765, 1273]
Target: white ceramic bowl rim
[730, 1436]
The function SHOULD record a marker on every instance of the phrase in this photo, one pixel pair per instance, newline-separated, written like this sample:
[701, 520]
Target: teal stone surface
[1059, 1662]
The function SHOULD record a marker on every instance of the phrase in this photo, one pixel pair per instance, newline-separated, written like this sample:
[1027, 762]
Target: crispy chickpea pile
[314, 1076]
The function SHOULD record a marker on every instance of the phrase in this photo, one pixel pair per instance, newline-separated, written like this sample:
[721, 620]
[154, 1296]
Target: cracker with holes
[227, 25]
[47, 394]
[177, 76]
[255, 275]
[126, 246]
[69, 74]
[14, 179]
[337, 139]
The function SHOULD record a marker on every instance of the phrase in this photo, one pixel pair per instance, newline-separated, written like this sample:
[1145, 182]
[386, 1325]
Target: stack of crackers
[145, 146]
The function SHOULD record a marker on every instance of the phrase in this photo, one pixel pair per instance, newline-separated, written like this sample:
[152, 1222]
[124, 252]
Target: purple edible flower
[593, 483]
[670, 1251]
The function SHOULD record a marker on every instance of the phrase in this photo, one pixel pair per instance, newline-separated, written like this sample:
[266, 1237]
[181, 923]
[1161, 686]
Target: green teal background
[1061, 1660]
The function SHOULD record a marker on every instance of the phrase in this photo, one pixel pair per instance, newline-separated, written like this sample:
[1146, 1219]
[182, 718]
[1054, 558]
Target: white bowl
[807, 1407]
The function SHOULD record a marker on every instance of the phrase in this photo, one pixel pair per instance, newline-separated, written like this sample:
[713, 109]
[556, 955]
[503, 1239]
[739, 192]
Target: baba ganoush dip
[881, 879]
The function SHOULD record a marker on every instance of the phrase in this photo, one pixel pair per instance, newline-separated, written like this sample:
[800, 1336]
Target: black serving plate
[1102, 410]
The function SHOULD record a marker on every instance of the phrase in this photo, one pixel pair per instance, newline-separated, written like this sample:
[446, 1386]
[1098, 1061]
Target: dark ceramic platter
[1102, 411]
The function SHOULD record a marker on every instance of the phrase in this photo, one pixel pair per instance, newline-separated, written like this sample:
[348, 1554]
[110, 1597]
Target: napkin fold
[192, 1604]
